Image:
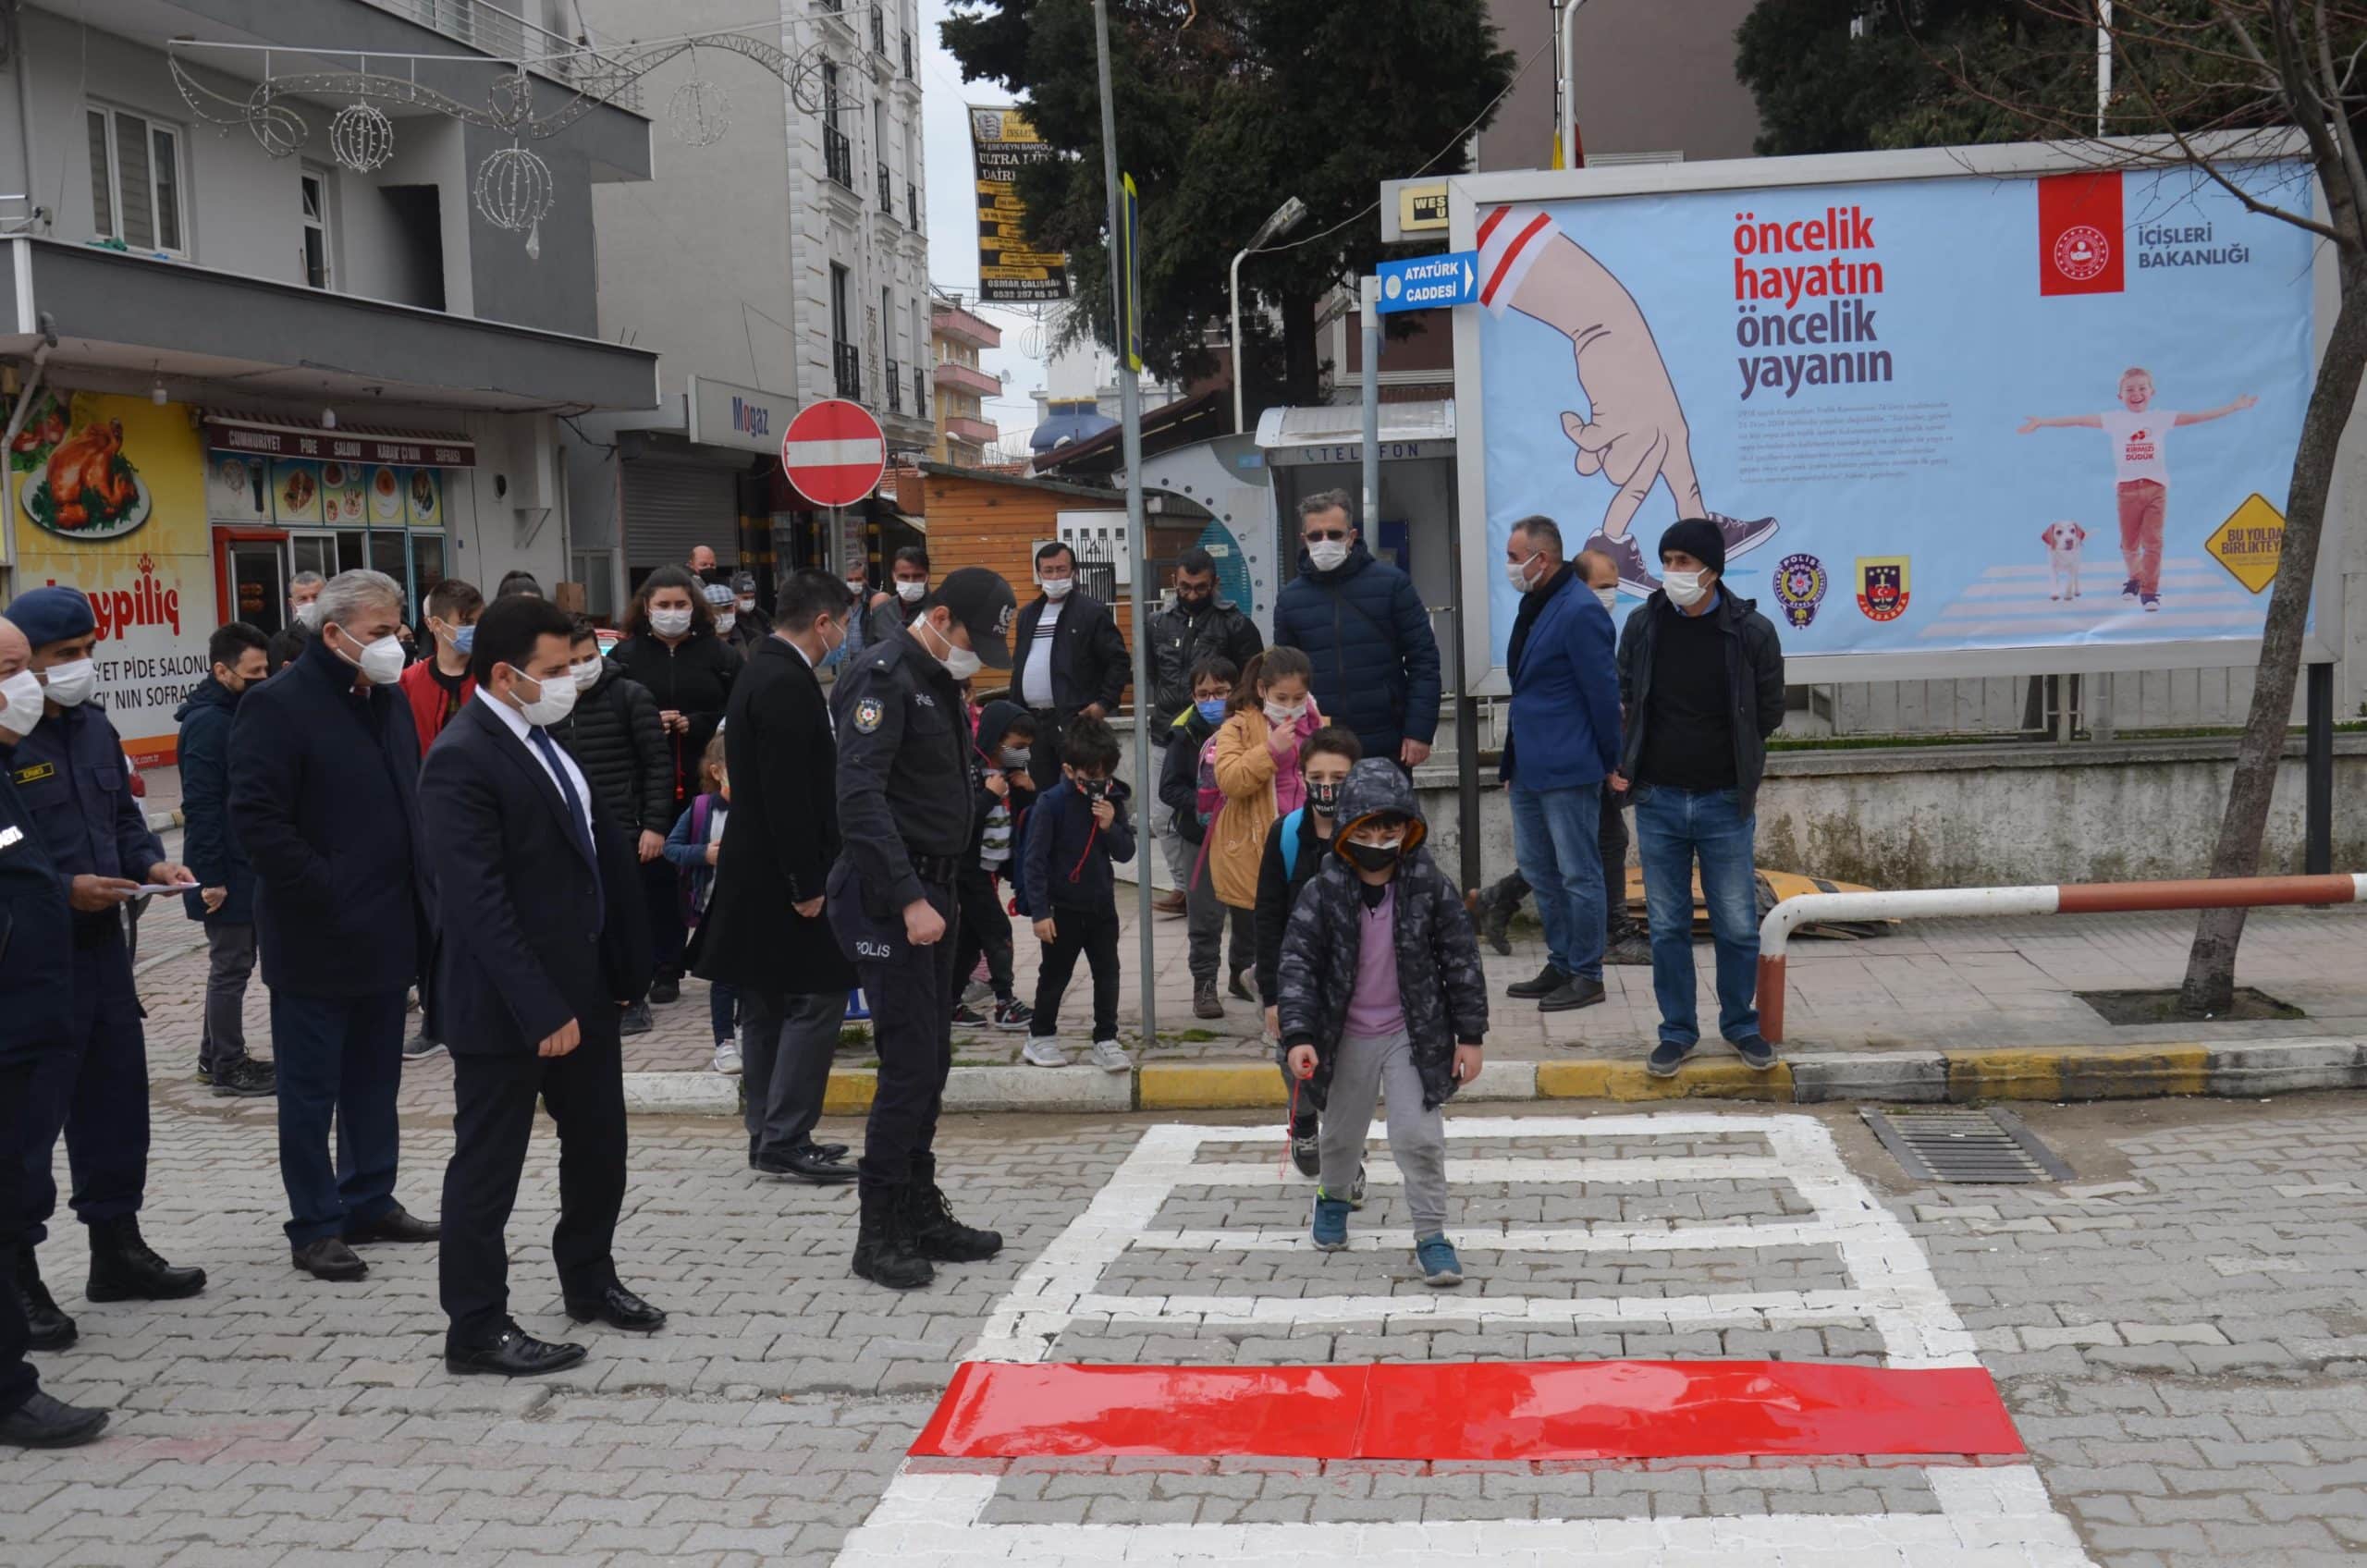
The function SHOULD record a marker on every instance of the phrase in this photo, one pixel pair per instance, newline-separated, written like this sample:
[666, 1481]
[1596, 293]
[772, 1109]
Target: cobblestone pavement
[2177, 1331]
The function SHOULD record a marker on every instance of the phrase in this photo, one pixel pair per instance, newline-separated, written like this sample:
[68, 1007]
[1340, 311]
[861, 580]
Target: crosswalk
[2009, 606]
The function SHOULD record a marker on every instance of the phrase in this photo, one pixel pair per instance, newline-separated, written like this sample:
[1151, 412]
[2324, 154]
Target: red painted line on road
[1470, 1411]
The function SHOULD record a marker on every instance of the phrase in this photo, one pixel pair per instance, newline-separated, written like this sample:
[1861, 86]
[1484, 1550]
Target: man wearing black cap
[1701, 673]
[905, 794]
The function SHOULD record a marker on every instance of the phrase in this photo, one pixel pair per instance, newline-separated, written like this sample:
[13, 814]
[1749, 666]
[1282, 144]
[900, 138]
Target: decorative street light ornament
[513, 191]
[361, 137]
[700, 109]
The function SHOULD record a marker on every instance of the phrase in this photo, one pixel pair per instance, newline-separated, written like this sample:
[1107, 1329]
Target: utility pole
[1130, 411]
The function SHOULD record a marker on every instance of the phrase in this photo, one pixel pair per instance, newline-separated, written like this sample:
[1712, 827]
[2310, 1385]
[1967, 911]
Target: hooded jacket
[1440, 982]
[1246, 768]
[994, 722]
[1754, 685]
[1179, 771]
[616, 737]
[1364, 627]
[209, 847]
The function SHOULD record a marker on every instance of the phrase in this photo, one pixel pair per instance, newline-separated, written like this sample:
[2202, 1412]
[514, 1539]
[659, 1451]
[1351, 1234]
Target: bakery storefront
[284, 497]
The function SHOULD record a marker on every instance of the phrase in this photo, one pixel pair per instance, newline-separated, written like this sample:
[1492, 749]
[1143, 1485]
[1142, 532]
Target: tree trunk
[2210, 983]
[1302, 364]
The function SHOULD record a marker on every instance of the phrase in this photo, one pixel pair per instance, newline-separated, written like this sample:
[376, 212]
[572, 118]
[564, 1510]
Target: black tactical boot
[935, 1235]
[883, 1253]
[46, 1327]
[124, 1267]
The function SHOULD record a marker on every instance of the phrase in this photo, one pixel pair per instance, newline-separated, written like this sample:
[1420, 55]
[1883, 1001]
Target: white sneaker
[726, 1059]
[1042, 1050]
[1109, 1058]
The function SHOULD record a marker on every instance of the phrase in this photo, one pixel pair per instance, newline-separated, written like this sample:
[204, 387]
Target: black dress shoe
[328, 1258]
[830, 1151]
[47, 1326]
[125, 1267]
[43, 1422]
[807, 1164]
[618, 1309]
[1549, 980]
[397, 1224]
[513, 1353]
[664, 992]
[1578, 993]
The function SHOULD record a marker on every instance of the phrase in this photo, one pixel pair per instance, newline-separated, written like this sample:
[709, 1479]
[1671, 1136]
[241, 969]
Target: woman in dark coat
[671, 647]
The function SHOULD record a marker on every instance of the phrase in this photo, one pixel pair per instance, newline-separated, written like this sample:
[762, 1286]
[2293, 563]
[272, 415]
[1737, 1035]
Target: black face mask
[1374, 857]
[1323, 799]
[1093, 789]
[1192, 604]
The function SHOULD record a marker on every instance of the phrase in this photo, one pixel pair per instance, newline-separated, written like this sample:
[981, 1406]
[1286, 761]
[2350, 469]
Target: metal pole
[1370, 304]
[1467, 725]
[1565, 60]
[2317, 773]
[1129, 409]
[1233, 294]
[2103, 62]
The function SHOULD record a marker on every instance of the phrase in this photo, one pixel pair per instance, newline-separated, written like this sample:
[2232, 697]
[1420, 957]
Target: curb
[2237, 1068]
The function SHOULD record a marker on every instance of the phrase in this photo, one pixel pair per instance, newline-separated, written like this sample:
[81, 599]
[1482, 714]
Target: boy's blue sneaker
[1755, 1053]
[1666, 1058]
[1439, 1264]
[1331, 1227]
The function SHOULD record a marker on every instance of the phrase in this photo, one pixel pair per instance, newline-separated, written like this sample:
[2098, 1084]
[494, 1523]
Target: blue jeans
[723, 1013]
[1557, 836]
[1673, 827]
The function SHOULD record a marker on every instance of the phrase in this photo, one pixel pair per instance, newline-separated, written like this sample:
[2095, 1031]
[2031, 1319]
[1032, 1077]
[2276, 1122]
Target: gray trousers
[1181, 852]
[1361, 1070]
[786, 1043]
[229, 960]
[1206, 917]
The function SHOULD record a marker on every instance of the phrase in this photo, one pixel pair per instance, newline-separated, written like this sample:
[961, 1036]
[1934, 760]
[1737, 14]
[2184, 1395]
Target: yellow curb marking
[1695, 1080]
[2093, 1073]
[1206, 1086]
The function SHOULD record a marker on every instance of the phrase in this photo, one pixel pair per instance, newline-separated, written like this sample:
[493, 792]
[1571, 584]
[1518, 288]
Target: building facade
[226, 366]
[778, 257]
[964, 428]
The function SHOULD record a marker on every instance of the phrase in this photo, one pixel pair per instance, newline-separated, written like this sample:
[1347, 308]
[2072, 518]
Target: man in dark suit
[766, 931]
[538, 904]
[324, 799]
[1067, 659]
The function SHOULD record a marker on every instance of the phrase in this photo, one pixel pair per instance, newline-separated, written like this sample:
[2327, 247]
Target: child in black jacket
[1179, 790]
[1294, 852]
[1077, 828]
[1005, 732]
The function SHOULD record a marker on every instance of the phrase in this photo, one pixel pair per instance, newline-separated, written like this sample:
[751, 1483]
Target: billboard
[2036, 416]
[110, 498]
[1004, 142]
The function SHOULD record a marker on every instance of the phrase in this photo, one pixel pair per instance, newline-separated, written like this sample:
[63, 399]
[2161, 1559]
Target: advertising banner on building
[110, 498]
[1009, 272]
[1939, 415]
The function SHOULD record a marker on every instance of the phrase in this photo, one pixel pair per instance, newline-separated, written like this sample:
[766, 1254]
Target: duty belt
[941, 870]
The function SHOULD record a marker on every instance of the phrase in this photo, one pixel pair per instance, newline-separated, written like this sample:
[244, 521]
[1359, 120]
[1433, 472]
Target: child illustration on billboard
[2141, 472]
[1635, 433]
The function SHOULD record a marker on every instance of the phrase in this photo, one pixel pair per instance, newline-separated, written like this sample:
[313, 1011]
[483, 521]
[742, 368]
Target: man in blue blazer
[543, 941]
[1565, 742]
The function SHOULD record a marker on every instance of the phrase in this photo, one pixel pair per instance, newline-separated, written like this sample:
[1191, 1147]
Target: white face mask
[747, 604]
[724, 622]
[308, 615]
[381, 662]
[669, 623]
[1608, 598]
[19, 705]
[1056, 588]
[1328, 553]
[911, 592]
[959, 661]
[557, 700]
[1685, 588]
[71, 685]
[1519, 576]
[1284, 713]
[587, 673]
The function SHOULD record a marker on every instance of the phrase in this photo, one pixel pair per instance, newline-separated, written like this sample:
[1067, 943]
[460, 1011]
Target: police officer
[36, 1011]
[905, 788]
[69, 773]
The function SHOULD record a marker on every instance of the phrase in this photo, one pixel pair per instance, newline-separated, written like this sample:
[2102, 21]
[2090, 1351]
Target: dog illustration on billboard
[2141, 472]
[2062, 541]
[1635, 434]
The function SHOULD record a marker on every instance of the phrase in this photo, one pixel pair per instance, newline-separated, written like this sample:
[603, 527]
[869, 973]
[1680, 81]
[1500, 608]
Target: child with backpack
[1249, 776]
[1382, 991]
[1296, 851]
[1078, 828]
[1179, 790]
[694, 846]
[1005, 732]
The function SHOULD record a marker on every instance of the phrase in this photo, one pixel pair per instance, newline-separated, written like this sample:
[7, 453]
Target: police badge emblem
[1799, 588]
[867, 715]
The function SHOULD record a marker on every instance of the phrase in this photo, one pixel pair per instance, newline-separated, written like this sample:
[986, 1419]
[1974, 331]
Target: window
[312, 186]
[136, 181]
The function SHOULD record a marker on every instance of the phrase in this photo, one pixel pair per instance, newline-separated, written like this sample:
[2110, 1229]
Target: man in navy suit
[543, 940]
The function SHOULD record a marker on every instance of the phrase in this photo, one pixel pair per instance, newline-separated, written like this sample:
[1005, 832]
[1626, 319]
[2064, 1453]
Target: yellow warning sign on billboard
[2249, 543]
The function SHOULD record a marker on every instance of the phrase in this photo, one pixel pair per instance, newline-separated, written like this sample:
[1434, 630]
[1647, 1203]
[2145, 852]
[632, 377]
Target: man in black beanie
[1701, 675]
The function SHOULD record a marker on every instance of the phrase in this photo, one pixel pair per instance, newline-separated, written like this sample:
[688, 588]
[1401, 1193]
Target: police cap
[982, 601]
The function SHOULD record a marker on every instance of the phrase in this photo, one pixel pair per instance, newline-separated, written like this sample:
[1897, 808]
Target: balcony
[887, 193]
[920, 393]
[952, 321]
[838, 156]
[908, 60]
[955, 376]
[847, 361]
[491, 30]
[912, 208]
[895, 388]
[878, 31]
[961, 427]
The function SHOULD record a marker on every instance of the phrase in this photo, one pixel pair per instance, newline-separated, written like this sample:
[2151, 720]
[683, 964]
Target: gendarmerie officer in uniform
[36, 1021]
[905, 792]
[71, 775]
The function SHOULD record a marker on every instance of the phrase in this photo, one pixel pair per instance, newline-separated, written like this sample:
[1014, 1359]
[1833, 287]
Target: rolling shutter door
[671, 507]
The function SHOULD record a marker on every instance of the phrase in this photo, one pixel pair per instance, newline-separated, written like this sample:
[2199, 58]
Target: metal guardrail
[490, 29]
[838, 156]
[847, 363]
[2068, 897]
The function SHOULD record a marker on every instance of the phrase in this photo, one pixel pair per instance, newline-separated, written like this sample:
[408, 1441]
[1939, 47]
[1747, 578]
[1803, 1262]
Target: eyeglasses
[1323, 536]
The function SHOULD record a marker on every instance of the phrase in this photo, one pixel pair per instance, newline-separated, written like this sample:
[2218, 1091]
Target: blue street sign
[1425, 283]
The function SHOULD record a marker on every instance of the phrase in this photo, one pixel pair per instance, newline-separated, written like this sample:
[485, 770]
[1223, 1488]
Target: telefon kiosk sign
[1959, 411]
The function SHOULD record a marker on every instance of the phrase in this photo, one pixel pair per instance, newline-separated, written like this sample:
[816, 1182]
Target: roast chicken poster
[109, 494]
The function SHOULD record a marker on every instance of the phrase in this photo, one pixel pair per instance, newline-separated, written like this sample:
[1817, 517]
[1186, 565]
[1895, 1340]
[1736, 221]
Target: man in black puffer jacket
[1362, 624]
[616, 737]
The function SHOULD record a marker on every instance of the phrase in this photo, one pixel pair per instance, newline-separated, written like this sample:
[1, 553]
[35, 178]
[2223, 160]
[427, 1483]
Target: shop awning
[265, 435]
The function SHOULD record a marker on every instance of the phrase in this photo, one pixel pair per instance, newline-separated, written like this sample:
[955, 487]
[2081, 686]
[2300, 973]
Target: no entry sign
[833, 453]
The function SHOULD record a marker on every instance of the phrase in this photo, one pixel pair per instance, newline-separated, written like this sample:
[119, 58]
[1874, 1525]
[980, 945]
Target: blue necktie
[576, 828]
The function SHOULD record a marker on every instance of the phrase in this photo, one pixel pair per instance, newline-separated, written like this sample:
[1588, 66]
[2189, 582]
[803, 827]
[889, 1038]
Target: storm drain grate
[1966, 1146]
